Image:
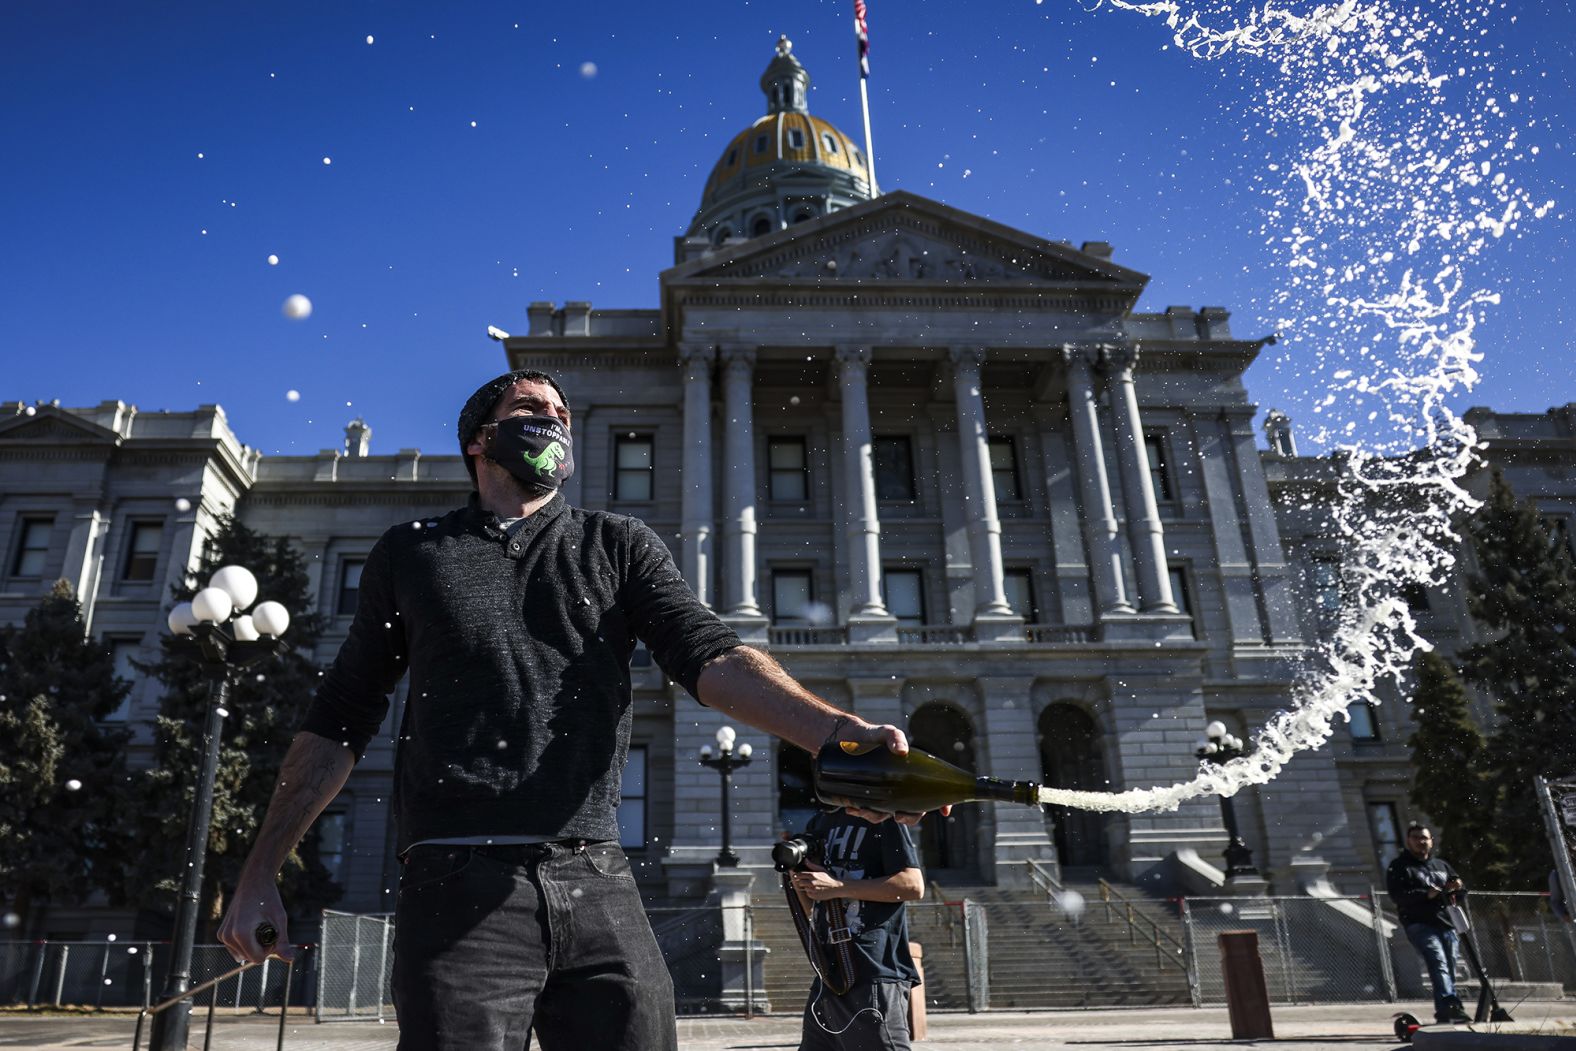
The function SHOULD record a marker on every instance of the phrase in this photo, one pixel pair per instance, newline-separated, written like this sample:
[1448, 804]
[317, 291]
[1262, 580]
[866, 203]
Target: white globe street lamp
[725, 763]
[1217, 748]
[228, 640]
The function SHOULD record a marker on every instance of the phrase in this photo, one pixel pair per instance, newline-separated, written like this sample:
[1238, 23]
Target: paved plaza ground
[1320, 1028]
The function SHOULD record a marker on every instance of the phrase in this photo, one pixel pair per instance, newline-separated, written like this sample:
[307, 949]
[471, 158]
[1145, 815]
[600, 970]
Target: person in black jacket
[1422, 887]
[515, 618]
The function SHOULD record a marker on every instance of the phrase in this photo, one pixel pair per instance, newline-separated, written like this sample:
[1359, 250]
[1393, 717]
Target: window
[1181, 594]
[1159, 471]
[1364, 721]
[632, 801]
[349, 585]
[789, 473]
[723, 233]
[894, 467]
[1386, 831]
[331, 843]
[760, 143]
[795, 139]
[632, 472]
[1324, 579]
[830, 141]
[1004, 468]
[762, 227]
[31, 547]
[1559, 531]
[791, 596]
[142, 552]
[733, 158]
[1416, 596]
[903, 592]
[803, 215]
[122, 651]
[1019, 586]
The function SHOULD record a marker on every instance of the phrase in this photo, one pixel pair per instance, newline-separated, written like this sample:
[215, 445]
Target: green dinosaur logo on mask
[548, 459]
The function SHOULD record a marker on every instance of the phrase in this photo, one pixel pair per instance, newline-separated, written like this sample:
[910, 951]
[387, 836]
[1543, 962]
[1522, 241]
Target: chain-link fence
[1314, 950]
[1520, 940]
[1003, 950]
[1344, 949]
[355, 967]
[112, 973]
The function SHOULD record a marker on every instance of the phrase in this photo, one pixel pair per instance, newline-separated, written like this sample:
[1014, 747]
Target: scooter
[1488, 1009]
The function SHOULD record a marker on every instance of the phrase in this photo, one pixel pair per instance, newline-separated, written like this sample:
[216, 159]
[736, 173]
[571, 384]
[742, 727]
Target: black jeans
[489, 941]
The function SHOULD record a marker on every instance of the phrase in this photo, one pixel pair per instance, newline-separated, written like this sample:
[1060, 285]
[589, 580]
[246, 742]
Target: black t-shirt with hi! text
[856, 849]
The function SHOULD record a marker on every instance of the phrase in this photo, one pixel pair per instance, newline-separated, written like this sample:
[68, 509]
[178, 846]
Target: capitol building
[942, 469]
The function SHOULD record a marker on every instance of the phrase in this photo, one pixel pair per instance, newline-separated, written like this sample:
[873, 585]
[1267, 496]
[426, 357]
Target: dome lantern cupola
[785, 81]
[788, 167]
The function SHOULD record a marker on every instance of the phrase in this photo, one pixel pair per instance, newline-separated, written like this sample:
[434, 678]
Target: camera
[792, 853]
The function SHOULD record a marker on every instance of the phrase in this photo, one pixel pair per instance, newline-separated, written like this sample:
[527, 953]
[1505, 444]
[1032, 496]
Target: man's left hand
[891, 737]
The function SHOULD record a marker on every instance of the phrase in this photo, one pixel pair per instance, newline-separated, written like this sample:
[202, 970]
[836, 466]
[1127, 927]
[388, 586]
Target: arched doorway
[948, 845]
[796, 803]
[1071, 757]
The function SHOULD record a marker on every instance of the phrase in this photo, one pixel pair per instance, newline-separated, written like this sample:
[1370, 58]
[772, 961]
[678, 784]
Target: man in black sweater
[1422, 887]
[515, 618]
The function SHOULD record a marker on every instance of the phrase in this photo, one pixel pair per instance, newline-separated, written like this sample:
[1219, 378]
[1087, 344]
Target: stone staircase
[1044, 957]
[1039, 956]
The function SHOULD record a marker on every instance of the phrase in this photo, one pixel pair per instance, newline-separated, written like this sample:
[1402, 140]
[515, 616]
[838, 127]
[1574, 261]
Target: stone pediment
[902, 238]
[51, 426]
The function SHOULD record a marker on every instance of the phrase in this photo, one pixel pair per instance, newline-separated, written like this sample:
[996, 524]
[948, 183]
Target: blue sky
[159, 154]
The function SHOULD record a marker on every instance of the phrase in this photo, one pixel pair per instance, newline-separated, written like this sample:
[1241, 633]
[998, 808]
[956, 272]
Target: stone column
[1269, 560]
[1143, 514]
[994, 620]
[83, 559]
[868, 617]
[697, 510]
[739, 482]
[1238, 580]
[1101, 529]
[1011, 739]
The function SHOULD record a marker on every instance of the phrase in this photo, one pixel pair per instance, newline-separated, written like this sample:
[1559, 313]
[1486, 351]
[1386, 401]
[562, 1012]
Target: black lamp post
[725, 762]
[1218, 747]
[229, 640]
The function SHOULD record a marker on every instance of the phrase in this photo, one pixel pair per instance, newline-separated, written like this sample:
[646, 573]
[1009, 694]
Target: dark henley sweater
[518, 646]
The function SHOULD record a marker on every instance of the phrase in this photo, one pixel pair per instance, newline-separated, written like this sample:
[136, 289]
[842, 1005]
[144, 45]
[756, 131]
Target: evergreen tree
[266, 704]
[1448, 781]
[1523, 595]
[62, 769]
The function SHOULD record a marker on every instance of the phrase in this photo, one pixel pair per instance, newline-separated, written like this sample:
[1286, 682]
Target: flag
[862, 31]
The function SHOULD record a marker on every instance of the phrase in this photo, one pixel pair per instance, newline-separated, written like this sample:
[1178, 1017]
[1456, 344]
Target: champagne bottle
[873, 777]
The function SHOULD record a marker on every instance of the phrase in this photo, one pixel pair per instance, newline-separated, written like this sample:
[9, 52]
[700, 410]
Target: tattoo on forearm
[314, 771]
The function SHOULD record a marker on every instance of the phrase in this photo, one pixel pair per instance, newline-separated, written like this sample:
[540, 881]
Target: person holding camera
[853, 883]
[1423, 887]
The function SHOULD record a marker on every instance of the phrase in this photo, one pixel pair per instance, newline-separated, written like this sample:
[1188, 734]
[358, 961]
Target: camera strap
[834, 961]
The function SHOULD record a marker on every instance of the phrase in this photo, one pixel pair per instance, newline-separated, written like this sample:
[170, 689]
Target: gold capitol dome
[788, 167]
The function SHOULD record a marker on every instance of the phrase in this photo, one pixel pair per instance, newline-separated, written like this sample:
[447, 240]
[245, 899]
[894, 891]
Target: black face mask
[535, 449]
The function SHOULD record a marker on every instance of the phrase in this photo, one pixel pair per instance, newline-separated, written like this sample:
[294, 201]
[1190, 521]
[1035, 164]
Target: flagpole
[862, 35]
[870, 157]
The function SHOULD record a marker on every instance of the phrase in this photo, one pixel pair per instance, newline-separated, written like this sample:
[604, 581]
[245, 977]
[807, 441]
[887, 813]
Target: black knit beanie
[479, 406]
